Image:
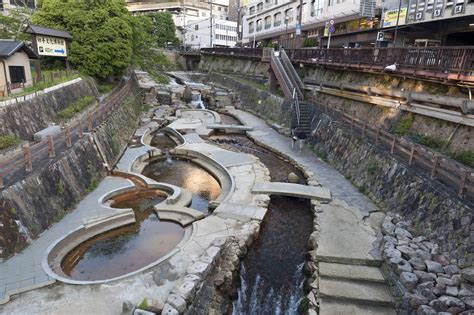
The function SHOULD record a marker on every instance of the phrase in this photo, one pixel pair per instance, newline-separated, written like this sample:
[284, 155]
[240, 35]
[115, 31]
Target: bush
[74, 108]
[431, 142]
[7, 141]
[405, 124]
[464, 157]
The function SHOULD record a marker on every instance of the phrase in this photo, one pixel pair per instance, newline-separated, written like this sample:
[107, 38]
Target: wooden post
[462, 184]
[392, 148]
[27, 157]
[52, 152]
[434, 167]
[68, 137]
[79, 133]
[412, 154]
[90, 123]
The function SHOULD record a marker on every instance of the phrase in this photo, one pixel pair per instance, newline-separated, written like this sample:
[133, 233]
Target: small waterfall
[196, 100]
[169, 158]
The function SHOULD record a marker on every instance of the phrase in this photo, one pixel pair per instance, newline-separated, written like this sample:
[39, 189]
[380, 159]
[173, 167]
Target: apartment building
[185, 12]
[277, 21]
[224, 34]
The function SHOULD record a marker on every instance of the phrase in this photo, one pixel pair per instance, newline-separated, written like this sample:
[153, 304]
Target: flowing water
[271, 276]
[125, 249]
[188, 175]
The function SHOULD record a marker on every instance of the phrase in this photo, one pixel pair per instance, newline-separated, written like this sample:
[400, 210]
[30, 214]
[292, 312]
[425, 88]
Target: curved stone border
[217, 118]
[46, 265]
[175, 133]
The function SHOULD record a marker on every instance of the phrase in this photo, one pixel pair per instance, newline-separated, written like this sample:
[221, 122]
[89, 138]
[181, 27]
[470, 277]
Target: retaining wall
[43, 197]
[23, 119]
[434, 210]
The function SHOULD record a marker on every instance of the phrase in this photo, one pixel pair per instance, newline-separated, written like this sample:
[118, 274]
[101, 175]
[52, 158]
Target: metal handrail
[296, 103]
[292, 72]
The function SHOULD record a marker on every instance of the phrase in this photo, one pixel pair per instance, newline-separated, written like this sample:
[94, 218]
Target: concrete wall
[233, 65]
[32, 205]
[26, 118]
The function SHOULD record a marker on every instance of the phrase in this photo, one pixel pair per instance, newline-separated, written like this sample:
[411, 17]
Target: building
[276, 22]
[432, 22]
[15, 71]
[185, 12]
[224, 34]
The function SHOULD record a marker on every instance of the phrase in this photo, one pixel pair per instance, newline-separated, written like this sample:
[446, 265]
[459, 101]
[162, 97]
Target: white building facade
[184, 12]
[224, 34]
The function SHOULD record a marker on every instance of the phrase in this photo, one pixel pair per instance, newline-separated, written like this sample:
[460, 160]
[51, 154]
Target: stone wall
[43, 197]
[233, 65]
[261, 102]
[432, 209]
[26, 118]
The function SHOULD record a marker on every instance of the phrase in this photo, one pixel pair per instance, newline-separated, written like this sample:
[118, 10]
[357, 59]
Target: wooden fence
[448, 171]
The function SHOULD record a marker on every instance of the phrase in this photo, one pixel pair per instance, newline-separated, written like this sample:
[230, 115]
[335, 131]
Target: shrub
[405, 124]
[464, 157]
[7, 141]
[74, 108]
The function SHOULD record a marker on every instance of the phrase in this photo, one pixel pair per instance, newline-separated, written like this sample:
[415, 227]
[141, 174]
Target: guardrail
[252, 53]
[442, 168]
[440, 63]
[14, 166]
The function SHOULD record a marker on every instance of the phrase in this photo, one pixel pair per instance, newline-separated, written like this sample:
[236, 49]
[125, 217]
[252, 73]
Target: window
[259, 25]
[203, 14]
[277, 19]
[219, 9]
[268, 22]
[23, 3]
[17, 74]
[259, 7]
[251, 28]
[252, 11]
[196, 27]
[289, 14]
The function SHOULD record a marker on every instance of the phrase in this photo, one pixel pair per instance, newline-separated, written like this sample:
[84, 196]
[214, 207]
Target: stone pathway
[350, 280]
[24, 271]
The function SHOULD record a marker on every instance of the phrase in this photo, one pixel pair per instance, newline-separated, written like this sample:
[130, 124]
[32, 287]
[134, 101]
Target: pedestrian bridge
[292, 190]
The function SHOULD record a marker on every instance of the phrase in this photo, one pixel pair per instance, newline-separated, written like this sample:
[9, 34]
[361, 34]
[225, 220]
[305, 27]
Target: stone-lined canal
[271, 275]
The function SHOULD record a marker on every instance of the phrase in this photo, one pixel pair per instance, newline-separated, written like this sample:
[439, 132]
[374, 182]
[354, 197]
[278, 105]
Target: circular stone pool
[122, 250]
[188, 175]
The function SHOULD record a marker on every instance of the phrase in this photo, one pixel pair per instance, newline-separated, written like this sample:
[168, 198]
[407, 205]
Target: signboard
[298, 29]
[326, 29]
[51, 46]
[331, 29]
[390, 17]
[380, 36]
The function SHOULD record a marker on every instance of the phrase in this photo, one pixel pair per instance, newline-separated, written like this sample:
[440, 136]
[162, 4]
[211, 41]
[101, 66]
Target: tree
[14, 23]
[164, 29]
[101, 30]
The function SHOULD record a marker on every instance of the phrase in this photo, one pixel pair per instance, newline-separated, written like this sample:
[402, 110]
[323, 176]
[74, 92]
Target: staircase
[293, 88]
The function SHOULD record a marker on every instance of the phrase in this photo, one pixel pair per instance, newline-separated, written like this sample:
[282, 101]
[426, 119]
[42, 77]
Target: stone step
[351, 272]
[329, 306]
[355, 291]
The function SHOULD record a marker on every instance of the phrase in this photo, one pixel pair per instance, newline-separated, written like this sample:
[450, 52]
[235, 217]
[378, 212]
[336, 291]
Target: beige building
[15, 71]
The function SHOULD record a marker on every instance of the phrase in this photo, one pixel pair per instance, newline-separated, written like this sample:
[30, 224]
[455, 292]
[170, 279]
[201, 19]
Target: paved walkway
[24, 271]
[327, 176]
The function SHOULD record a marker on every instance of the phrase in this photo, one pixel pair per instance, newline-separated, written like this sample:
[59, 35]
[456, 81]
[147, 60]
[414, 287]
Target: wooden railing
[443, 63]
[437, 166]
[254, 53]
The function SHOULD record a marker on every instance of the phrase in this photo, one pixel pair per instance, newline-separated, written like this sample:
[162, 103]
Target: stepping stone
[351, 272]
[364, 292]
[328, 306]
[240, 212]
[292, 190]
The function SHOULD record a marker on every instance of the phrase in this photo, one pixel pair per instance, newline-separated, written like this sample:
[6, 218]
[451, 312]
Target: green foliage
[371, 168]
[13, 23]
[101, 29]
[304, 305]
[464, 157]
[74, 108]
[163, 28]
[60, 188]
[105, 87]
[405, 124]
[320, 153]
[431, 142]
[143, 305]
[7, 141]
[310, 42]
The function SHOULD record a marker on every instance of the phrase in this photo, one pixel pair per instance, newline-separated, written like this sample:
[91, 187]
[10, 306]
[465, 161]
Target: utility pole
[396, 25]
[210, 21]
[239, 39]
[298, 29]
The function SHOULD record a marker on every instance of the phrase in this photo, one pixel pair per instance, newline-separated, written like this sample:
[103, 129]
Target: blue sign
[60, 51]
[298, 29]
[331, 28]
